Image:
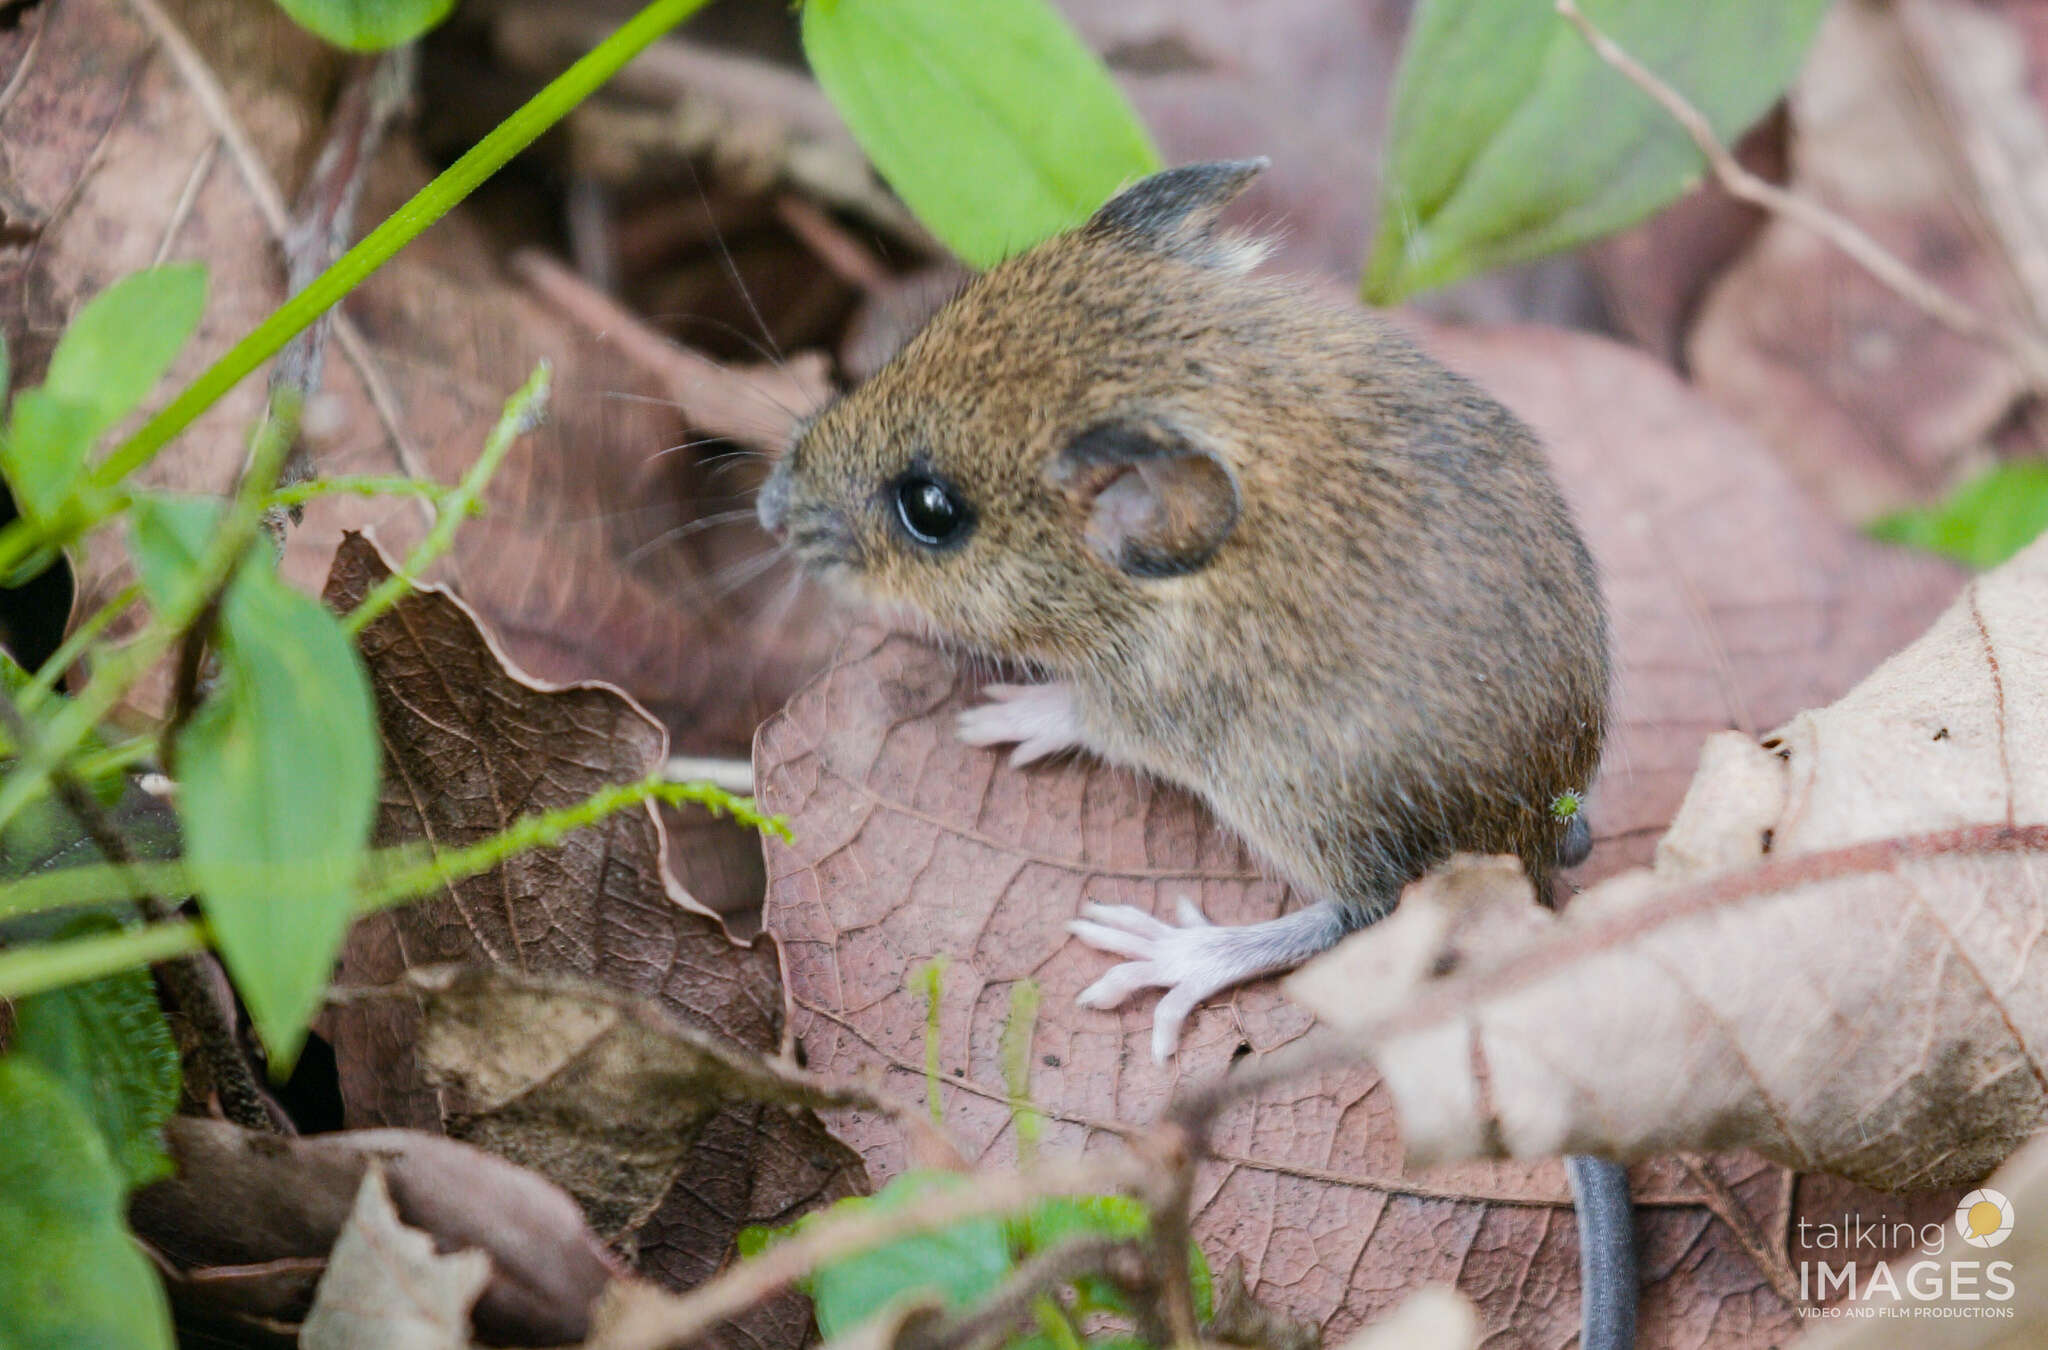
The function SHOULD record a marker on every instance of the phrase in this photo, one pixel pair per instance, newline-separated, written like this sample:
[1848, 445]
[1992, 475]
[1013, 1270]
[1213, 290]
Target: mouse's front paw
[1190, 961]
[1038, 719]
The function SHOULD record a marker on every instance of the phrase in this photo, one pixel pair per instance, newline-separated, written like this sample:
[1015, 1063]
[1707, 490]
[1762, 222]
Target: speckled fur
[1398, 652]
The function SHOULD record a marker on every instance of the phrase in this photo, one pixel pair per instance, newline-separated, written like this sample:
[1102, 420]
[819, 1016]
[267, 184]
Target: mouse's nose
[771, 504]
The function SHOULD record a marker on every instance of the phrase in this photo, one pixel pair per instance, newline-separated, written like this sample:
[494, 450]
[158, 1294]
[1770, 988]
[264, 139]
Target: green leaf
[44, 450]
[1510, 138]
[367, 25]
[992, 120]
[107, 1042]
[72, 1276]
[124, 339]
[960, 1264]
[277, 777]
[1983, 522]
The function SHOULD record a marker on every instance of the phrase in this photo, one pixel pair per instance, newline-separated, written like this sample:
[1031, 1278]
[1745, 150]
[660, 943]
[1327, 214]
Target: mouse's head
[1046, 456]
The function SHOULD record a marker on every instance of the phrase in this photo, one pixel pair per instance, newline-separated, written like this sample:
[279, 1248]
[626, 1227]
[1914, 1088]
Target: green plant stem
[522, 413]
[52, 965]
[396, 876]
[429, 204]
[362, 484]
[75, 720]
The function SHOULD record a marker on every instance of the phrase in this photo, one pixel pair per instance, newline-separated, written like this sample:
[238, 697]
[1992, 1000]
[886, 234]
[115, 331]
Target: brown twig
[2024, 347]
[756, 405]
[323, 219]
[1010, 1305]
[212, 99]
[241, 1101]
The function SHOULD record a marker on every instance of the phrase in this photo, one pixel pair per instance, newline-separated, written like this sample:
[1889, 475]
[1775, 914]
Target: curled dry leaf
[386, 1288]
[909, 845]
[469, 745]
[1866, 1000]
[601, 1090]
[247, 1223]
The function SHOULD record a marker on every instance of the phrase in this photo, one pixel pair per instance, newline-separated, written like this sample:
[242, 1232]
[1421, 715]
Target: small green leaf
[992, 120]
[1062, 1218]
[44, 450]
[960, 1264]
[367, 25]
[107, 1042]
[1983, 522]
[1510, 138]
[124, 339]
[72, 1276]
[277, 777]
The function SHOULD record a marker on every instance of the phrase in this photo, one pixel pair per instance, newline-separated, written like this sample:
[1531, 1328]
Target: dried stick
[2027, 350]
[241, 1101]
[1003, 1310]
[212, 99]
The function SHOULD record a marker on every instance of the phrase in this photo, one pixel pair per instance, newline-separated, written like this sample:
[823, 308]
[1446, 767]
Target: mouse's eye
[932, 513]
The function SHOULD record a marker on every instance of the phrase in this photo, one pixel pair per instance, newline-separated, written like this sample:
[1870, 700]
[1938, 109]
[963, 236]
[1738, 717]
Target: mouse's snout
[771, 504]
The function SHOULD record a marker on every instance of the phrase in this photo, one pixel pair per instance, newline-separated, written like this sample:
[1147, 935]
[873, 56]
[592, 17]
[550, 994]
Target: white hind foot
[1196, 959]
[1038, 719]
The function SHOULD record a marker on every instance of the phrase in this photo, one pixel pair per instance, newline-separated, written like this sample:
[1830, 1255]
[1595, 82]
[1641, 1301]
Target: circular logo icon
[1984, 1218]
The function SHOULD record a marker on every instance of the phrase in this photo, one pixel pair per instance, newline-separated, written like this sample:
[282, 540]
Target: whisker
[684, 531]
[732, 268]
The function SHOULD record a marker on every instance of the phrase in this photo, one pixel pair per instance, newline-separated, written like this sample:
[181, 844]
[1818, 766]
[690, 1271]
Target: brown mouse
[1258, 545]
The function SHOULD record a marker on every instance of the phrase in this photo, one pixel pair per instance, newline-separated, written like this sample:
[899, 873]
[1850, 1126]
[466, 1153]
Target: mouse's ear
[1174, 212]
[1158, 506]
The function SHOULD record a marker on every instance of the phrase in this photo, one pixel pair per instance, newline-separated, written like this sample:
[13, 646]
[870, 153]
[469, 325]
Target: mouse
[1242, 538]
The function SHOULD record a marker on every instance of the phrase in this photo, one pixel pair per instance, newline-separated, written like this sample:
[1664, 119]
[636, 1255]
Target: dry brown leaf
[386, 1288]
[1868, 401]
[469, 745]
[248, 1221]
[600, 1091]
[909, 845]
[1866, 1000]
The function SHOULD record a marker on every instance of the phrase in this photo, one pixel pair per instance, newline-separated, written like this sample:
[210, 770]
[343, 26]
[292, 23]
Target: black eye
[931, 512]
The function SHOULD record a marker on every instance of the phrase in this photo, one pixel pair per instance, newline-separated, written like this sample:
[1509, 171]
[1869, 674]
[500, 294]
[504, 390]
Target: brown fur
[1398, 650]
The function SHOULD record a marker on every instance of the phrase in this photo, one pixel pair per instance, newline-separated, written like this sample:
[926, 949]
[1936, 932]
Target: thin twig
[323, 219]
[2026, 349]
[1010, 1305]
[207, 91]
[241, 1101]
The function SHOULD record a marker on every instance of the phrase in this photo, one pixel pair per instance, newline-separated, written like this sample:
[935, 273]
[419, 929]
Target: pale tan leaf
[387, 1289]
